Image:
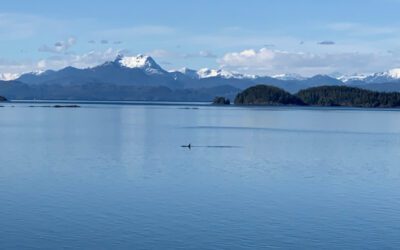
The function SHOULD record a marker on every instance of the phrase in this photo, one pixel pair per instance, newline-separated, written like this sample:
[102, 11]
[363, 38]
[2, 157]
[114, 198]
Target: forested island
[267, 95]
[342, 96]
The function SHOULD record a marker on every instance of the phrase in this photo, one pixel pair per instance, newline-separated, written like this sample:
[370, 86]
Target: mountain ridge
[142, 72]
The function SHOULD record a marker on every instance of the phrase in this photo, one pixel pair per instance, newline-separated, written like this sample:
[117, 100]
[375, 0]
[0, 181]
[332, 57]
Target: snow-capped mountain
[389, 76]
[392, 75]
[209, 73]
[206, 73]
[352, 78]
[140, 76]
[191, 73]
[142, 62]
[8, 76]
[289, 77]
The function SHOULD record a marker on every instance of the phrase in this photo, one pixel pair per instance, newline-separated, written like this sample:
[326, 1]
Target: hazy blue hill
[319, 80]
[295, 85]
[266, 95]
[15, 90]
[110, 92]
[348, 96]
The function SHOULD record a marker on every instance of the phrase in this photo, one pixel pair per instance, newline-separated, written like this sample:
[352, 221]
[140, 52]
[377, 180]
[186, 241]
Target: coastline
[186, 105]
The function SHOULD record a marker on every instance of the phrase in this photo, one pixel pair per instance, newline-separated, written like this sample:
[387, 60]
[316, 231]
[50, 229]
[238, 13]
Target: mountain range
[141, 78]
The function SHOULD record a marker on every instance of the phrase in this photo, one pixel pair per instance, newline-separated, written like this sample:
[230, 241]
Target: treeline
[318, 96]
[266, 95]
[348, 97]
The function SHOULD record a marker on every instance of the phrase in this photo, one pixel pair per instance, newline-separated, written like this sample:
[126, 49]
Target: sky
[264, 37]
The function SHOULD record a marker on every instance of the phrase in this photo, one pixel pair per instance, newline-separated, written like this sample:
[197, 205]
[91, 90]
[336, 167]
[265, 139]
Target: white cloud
[59, 61]
[59, 47]
[89, 59]
[270, 62]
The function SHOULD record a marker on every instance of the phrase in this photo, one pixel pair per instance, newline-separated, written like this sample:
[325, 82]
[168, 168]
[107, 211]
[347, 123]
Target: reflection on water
[116, 176]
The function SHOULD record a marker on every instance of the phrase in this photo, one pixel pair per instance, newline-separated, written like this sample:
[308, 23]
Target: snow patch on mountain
[207, 73]
[354, 77]
[189, 72]
[288, 77]
[394, 73]
[142, 62]
[9, 76]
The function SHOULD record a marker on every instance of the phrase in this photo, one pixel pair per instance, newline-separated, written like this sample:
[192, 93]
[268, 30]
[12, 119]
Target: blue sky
[254, 36]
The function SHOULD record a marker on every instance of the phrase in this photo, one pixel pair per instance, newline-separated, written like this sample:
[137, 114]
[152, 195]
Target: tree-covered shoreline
[325, 96]
[266, 95]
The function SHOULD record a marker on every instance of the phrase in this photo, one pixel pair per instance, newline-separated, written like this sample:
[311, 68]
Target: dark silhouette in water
[189, 146]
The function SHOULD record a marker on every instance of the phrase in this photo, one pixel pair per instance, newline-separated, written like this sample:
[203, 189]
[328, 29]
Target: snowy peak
[352, 78]
[394, 73]
[289, 77]
[8, 76]
[142, 62]
[189, 72]
[207, 73]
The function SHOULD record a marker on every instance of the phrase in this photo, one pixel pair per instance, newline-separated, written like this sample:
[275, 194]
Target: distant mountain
[146, 63]
[210, 73]
[141, 74]
[289, 77]
[388, 81]
[352, 78]
[133, 71]
[8, 76]
[392, 75]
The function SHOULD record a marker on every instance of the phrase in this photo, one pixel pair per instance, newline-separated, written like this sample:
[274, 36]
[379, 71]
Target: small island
[2, 99]
[221, 101]
[326, 96]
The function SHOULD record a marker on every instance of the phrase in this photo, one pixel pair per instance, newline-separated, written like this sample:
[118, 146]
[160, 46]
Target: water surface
[116, 177]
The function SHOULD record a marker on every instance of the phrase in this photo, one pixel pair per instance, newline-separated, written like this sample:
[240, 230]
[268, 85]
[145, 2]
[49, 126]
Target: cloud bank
[270, 62]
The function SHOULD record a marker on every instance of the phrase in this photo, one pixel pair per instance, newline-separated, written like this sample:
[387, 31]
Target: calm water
[115, 177]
